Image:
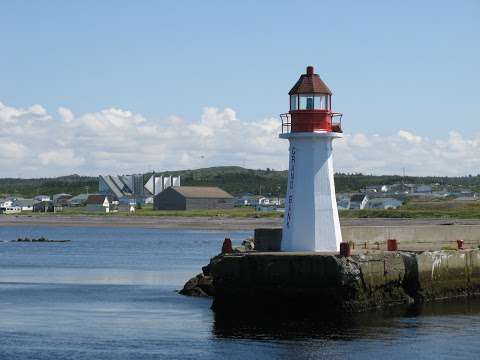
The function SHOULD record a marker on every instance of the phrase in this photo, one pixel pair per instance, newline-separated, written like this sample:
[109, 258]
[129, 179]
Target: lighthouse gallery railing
[287, 122]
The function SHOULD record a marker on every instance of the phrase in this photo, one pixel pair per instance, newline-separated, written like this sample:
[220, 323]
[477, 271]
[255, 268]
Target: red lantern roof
[310, 83]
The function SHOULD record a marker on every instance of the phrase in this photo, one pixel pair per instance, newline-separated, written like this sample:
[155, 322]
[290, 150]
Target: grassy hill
[234, 179]
[72, 184]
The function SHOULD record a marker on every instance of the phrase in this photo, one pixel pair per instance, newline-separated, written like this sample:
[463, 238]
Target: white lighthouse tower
[311, 217]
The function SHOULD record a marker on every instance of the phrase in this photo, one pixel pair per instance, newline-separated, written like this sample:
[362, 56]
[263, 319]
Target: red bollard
[392, 245]
[460, 244]
[345, 249]
[227, 246]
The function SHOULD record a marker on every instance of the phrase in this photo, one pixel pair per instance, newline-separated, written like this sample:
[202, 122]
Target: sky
[96, 87]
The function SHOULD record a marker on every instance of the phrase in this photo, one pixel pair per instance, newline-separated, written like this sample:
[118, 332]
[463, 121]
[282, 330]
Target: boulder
[198, 286]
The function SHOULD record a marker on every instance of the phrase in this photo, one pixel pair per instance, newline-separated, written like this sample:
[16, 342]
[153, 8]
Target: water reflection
[298, 325]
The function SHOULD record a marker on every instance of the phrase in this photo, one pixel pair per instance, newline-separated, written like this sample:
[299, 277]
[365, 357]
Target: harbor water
[110, 293]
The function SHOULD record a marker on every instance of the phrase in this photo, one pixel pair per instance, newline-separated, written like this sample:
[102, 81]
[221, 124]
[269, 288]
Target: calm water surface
[110, 294]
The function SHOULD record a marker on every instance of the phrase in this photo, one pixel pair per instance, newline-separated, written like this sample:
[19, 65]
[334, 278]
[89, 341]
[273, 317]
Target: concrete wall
[268, 239]
[329, 282]
[412, 234]
[446, 274]
[417, 237]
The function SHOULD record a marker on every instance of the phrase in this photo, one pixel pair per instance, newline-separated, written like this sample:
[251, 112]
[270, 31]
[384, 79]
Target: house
[423, 189]
[24, 204]
[10, 210]
[466, 198]
[263, 201]
[193, 198]
[358, 202]
[78, 200]
[372, 189]
[343, 203]
[40, 198]
[383, 203]
[43, 206]
[100, 203]
[61, 200]
[5, 203]
[246, 200]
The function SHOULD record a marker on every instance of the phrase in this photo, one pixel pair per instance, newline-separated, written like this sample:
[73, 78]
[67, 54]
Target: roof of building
[61, 195]
[202, 192]
[310, 83]
[96, 199]
[79, 197]
[41, 197]
[24, 202]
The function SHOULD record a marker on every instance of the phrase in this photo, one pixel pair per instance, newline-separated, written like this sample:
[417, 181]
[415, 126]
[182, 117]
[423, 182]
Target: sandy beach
[207, 223]
[151, 222]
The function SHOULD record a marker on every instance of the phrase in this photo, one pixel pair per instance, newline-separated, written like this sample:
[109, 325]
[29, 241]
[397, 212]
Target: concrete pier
[328, 282]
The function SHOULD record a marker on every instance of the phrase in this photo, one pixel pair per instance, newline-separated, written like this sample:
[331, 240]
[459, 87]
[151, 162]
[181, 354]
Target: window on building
[321, 102]
[306, 102]
[293, 102]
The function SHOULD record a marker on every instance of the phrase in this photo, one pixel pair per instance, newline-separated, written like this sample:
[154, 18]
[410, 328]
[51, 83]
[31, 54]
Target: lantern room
[310, 106]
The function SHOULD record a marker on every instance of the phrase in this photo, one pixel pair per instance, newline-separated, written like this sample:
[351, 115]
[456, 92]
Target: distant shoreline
[199, 223]
[152, 222]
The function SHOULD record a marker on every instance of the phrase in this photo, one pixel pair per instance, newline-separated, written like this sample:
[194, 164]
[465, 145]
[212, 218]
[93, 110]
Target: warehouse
[193, 198]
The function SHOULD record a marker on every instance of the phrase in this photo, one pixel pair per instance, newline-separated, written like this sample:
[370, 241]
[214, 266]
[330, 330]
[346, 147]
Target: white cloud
[66, 114]
[360, 140]
[10, 150]
[62, 157]
[36, 143]
[409, 137]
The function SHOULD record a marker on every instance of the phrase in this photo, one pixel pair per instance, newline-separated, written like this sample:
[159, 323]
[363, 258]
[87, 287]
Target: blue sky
[393, 66]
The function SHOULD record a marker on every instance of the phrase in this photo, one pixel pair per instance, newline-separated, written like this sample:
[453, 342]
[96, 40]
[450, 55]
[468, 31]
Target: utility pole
[153, 179]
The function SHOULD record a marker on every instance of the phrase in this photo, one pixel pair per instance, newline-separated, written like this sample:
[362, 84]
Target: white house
[10, 210]
[42, 198]
[24, 204]
[6, 203]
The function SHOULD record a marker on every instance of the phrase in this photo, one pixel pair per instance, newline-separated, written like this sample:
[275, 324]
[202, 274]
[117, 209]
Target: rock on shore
[199, 286]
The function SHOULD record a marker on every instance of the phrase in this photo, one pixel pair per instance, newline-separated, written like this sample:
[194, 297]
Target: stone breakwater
[328, 282]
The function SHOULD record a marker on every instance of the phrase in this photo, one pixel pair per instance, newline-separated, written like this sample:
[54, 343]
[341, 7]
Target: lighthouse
[311, 217]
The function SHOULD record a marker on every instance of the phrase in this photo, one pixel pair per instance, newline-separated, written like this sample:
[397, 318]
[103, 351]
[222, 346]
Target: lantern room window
[310, 102]
[321, 102]
[306, 102]
[293, 102]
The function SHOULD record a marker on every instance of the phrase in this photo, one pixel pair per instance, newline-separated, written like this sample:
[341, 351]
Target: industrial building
[122, 186]
[193, 198]
[156, 184]
[128, 188]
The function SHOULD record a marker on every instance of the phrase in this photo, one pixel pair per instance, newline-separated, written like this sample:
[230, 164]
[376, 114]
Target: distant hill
[71, 184]
[234, 179]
